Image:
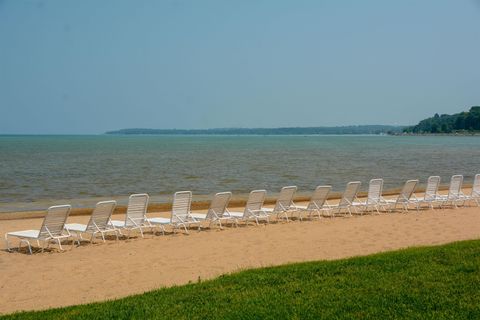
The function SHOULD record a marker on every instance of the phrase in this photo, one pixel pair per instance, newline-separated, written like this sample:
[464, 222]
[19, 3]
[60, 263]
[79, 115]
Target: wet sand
[96, 272]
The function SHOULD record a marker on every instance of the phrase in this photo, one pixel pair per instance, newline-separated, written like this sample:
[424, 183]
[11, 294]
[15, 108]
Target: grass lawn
[425, 283]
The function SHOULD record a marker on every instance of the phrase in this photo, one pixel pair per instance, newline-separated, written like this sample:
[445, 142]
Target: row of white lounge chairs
[55, 229]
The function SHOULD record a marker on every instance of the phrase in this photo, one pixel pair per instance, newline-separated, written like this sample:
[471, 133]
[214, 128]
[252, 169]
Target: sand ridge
[116, 269]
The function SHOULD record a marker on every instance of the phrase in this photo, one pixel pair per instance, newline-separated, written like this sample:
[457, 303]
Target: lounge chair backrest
[432, 187]
[255, 201]
[375, 188]
[182, 201]
[476, 185]
[320, 195]
[218, 205]
[350, 193]
[54, 221]
[407, 191]
[285, 198]
[136, 209]
[455, 186]
[101, 215]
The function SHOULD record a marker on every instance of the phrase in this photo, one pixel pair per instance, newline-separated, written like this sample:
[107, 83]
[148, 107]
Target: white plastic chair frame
[348, 198]
[284, 204]
[51, 230]
[180, 216]
[318, 203]
[475, 194]
[431, 195]
[455, 194]
[253, 209]
[404, 199]
[216, 210]
[99, 223]
[135, 217]
[374, 197]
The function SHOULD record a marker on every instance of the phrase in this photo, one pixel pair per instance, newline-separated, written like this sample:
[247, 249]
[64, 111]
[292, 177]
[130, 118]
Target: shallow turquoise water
[36, 171]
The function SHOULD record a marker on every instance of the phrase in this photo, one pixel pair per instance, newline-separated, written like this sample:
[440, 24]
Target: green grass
[425, 283]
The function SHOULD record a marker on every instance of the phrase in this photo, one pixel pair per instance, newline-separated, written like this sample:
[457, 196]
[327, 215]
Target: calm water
[38, 171]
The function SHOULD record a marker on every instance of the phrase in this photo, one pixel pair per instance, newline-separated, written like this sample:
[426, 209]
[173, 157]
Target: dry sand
[116, 269]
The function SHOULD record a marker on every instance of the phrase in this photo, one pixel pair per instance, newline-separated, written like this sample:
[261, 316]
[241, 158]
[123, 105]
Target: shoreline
[153, 206]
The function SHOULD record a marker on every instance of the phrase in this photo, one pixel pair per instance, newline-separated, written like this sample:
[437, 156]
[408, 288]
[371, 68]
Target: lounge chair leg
[29, 247]
[7, 243]
[78, 238]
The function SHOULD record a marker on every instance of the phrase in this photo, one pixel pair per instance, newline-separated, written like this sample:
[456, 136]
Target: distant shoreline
[360, 129]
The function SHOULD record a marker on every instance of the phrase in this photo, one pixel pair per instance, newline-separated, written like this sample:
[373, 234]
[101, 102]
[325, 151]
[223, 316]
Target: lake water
[38, 171]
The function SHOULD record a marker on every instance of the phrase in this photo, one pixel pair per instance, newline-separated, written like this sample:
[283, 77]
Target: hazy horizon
[71, 67]
[203, 129]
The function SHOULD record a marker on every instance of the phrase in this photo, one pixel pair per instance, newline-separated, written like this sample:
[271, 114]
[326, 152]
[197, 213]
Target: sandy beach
[98, 272]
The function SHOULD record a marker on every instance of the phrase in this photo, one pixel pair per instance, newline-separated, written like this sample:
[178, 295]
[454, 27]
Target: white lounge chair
[216, 211]
[374, 197]
[318, 202]
[348, 198]
[475, 194]
[431, 195]
[180, 215]
[404, 199]
[253, 209]
[135, 218]
[455, 193]
[284, 203]
[99, 222]
[51, 230]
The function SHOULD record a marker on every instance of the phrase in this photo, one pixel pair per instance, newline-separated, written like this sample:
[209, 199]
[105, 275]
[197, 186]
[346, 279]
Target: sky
[86, 67]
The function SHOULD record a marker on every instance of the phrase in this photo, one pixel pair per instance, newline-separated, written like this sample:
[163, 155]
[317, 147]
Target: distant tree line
[363, 129]
[445, 123]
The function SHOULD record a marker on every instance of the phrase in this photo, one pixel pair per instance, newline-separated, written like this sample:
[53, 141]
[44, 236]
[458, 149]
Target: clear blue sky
[91, 66]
